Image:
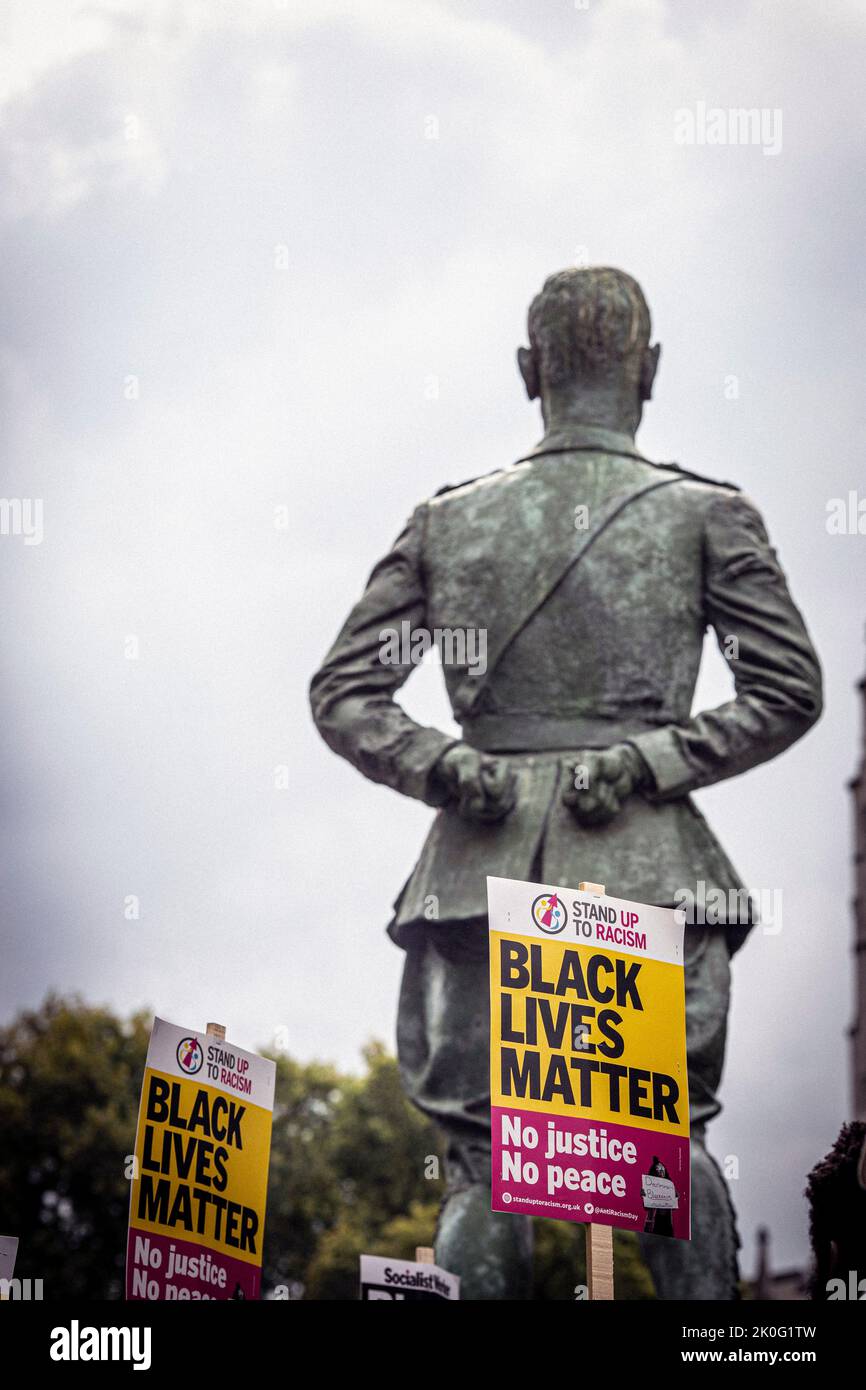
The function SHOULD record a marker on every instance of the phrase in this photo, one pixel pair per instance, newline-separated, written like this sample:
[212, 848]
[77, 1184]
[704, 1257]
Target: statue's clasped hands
[601, 781]
[484, 788]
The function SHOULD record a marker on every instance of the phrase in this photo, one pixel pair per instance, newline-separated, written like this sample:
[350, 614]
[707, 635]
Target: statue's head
[589, 333]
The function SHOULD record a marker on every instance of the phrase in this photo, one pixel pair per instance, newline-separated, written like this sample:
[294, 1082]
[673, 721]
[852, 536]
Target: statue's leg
[443, 1046]
[706, 1266]
[490, 1250]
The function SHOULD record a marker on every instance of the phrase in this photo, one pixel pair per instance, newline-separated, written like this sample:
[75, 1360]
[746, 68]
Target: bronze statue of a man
[592, 574]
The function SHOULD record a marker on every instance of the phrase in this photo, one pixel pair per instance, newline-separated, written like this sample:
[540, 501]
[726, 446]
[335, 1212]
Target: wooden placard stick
[216, 1030]
[599, 1239]
[424, 1255]
[599, 1261]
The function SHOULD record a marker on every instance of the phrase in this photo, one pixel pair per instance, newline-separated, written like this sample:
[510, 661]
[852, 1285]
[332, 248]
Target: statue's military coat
[595, 574]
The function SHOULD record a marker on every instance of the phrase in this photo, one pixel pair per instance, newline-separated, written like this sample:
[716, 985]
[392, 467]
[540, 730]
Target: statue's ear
[529, 371]
[648, 368]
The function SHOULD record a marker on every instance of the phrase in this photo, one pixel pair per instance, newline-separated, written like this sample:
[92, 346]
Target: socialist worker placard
[202, 1148]
[588, 1078]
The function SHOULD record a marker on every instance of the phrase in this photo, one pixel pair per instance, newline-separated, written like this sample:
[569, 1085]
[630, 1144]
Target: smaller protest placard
[659, 1192]
[384, 1278]
[202, 1147]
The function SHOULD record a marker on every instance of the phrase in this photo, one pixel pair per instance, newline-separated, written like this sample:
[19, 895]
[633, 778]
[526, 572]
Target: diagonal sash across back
[548, 575]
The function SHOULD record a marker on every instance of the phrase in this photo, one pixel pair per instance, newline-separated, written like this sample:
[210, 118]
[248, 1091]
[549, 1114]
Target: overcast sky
[265, 266]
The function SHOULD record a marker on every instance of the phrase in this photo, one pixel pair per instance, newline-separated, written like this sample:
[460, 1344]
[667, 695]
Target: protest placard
[658, 1193]
[384, 1278]
[589, 1086]
[197, 1206]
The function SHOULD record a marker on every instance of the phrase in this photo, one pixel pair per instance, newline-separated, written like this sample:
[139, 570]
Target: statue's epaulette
[698, 477]
[452, 487]
[667, 467]
[467, 482]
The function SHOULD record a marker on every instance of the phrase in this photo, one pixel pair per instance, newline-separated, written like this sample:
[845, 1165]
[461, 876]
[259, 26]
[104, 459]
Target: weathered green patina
[592, 574]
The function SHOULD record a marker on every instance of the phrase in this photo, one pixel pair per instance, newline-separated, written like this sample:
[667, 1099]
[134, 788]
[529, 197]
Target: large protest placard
[384, 1278]
[197, 1207]
[588, 1078]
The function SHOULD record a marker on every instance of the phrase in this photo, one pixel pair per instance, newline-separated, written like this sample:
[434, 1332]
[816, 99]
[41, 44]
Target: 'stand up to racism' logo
[549, 913]
[189, 1055]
